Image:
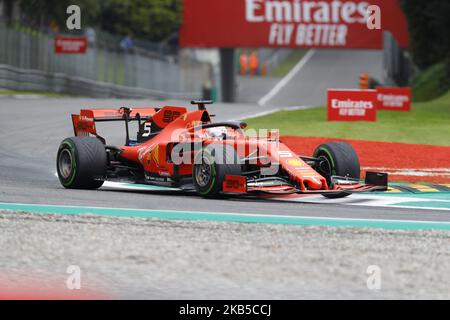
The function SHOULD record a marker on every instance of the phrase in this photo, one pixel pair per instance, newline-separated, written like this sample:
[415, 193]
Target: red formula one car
[177, 148]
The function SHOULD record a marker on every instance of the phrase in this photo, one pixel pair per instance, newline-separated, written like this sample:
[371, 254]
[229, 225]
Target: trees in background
[147, 19]
[429, 28]
[53, 12]
[152, 20]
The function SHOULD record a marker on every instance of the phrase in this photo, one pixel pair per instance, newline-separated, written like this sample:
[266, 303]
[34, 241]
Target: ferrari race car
[177, 148]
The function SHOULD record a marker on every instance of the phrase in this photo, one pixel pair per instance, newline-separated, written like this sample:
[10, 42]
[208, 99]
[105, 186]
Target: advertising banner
[70, 45]
[397, 99]
[352, 105]
[289, 23]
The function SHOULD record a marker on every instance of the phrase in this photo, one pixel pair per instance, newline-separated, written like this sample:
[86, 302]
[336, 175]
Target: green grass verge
[287, 65]
[20, 92]
[431, 83]
[428, 123]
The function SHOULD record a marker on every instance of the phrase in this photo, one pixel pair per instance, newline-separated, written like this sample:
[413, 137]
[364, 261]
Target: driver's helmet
[217, 132]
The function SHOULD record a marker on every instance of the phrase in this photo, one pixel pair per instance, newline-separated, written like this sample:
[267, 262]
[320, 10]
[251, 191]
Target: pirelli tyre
[340, 159]
[81, 163]
[211, 166]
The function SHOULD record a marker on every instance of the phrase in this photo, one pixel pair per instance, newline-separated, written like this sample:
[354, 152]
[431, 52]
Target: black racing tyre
[211, 166]
[81, 163]
[341, 160]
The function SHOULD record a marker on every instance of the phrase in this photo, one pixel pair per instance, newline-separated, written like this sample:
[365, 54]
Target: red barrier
[352, 105]
[397, 99]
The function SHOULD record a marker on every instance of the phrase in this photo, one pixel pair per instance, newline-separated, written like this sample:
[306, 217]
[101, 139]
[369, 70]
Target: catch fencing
[28, 62]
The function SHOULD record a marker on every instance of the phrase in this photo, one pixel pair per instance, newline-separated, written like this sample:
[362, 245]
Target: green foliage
[429, 27]
[146, 19]
[431, 83]
[152, 20]
[39, 12]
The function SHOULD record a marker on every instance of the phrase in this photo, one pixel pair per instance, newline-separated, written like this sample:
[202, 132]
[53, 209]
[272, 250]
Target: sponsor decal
[296, 163]
[70, 45]
[170, 115]
[285, 154]
[398, 99]
[352, 105]
[142, 151]
[164, 174]
[85, 118]
[166, 115]
[292, 23]
[155, 154]
[83, 125]
[235, 184]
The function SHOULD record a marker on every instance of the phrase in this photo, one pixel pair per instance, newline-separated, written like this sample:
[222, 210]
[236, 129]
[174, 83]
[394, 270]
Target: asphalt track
[323, 70]
[31, 131]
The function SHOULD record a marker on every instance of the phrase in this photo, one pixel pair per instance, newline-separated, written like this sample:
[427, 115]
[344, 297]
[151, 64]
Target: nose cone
[314, 183]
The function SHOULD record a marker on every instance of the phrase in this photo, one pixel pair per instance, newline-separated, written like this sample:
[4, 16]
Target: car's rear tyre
[340, 160]
[210, 168]
[81, 163]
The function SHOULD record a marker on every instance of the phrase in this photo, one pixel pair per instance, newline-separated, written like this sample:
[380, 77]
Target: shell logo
[296, 162]
[155, 154]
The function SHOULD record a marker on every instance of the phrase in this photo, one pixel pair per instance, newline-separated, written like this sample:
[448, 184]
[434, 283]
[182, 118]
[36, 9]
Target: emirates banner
[289, 23]
[352, 105]
[396, 99]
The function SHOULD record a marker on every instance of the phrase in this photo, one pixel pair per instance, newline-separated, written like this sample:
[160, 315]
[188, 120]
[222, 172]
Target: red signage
[70, 45]
[352, 105]
[398, 99]
[289, 23]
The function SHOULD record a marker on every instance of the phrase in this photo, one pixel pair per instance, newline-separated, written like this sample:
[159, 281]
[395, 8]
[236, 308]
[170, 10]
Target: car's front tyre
[339, 159]
[210, 168]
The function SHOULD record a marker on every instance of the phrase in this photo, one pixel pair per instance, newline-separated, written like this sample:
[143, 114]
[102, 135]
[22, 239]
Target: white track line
[368, 200]
[418, 172]
[271, 111]
[287, 78]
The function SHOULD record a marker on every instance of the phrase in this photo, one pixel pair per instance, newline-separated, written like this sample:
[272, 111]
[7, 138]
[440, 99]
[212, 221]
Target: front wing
[375, 181]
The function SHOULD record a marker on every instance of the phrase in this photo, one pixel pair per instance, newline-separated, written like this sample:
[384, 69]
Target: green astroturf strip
[228, 217]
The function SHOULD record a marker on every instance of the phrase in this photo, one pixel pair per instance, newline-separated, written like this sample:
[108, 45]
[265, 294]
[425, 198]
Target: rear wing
[84, 123]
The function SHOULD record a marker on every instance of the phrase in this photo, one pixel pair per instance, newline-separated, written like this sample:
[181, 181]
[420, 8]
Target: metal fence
[23, 50]
[398, 68]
